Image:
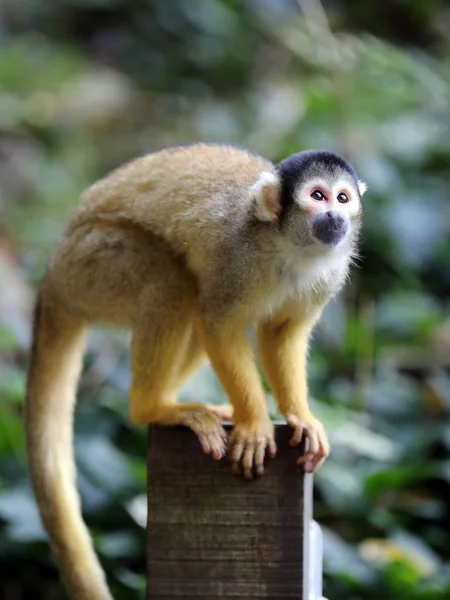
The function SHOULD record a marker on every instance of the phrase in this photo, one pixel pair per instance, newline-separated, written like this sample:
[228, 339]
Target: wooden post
[214, 535]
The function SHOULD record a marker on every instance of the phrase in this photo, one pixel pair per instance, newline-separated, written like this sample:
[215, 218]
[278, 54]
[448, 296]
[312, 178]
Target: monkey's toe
[207, 426]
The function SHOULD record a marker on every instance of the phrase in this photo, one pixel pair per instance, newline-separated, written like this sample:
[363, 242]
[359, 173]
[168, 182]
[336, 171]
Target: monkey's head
[315, 198]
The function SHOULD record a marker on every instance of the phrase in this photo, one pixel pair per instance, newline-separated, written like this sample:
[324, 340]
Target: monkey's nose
[330, 227]
[335, 219]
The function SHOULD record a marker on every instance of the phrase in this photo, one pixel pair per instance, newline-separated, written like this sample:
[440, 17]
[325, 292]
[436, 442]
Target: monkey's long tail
[56, 361]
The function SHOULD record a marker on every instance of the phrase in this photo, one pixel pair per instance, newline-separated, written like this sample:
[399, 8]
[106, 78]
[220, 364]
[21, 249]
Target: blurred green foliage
[88, 84]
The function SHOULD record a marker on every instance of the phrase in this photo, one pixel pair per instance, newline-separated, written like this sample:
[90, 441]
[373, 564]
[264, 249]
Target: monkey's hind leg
[195, 356]
[162, 356]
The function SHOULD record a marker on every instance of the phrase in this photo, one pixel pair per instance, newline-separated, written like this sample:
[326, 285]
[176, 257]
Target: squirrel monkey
[189, 247]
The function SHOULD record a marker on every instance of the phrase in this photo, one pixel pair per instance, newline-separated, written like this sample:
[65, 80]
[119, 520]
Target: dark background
[88, 84]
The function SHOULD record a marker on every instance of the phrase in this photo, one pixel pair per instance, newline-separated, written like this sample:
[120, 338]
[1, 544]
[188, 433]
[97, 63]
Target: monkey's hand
[248, 445]
[319, 448]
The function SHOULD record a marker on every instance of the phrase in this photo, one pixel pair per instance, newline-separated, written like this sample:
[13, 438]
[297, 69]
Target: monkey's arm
[283, 345]
[232, 358]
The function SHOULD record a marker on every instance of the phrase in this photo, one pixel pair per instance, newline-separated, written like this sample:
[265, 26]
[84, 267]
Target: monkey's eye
[317, 195]
[343, 198]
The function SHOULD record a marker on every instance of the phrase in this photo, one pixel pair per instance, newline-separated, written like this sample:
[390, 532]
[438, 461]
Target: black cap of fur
[299, 168]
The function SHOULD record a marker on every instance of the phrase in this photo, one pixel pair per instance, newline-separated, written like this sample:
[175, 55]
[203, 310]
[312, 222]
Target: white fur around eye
[267, 195]
[362, 186]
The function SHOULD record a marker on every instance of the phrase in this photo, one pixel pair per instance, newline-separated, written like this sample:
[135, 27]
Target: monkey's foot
[206, 424]
[248, 445]
[313, 430]
[223, 411]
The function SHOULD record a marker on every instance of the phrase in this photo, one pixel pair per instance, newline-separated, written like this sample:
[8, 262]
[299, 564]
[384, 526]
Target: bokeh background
[88, 84]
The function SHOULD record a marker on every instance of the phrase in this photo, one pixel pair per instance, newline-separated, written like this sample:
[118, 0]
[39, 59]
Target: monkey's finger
[312, 462]
[298, 428]
[237, 449]
[317, 461]
[297, 435]
[247, 461]
[236, 469]
[321, 456]
[219, 434]
[218, 454]
[198, 428]
[325, 445]
[217, 448]
[217, 445]
[204, 441]
[271, 448]
[307, 462]
[313, 449]
[222, 437]
[259, 458]
[313, 438]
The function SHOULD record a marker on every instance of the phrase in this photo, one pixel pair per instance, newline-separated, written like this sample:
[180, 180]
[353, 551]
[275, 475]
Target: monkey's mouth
[330, 228]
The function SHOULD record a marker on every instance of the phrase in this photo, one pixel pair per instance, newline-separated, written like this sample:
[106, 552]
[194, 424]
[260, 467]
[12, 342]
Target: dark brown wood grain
[214, 535]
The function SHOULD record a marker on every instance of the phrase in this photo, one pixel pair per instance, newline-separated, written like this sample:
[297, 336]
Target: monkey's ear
[267, 197]
[362, 187]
